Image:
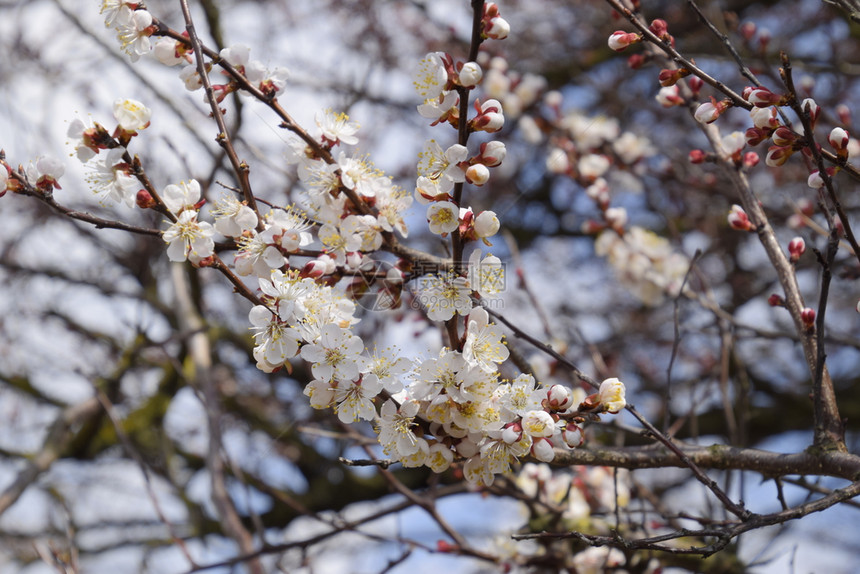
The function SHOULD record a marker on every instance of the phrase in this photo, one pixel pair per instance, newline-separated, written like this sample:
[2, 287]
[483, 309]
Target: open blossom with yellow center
[431, 76]
[442, 166]
[443, 217]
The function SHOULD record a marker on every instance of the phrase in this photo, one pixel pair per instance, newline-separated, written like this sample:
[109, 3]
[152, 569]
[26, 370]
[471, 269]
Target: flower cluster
[451, 406]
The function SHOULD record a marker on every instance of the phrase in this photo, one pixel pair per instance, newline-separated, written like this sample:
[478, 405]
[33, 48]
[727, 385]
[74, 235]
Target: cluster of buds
[494, 26]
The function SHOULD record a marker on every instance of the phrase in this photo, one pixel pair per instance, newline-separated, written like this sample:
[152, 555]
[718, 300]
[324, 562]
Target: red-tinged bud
[558, 398]
[807, 315]
[144, 199]
[747, 31]
[710, 111]
[796, 248]
[443, 546]
[755, 136]
[313, 269]
[778, 155]
[636, 61]
[695, 84]
[844, 114]
[698, 156]
[619, 40]
[659, 28]
[812, 109]
[763, 98]
[806, 207]
[738, 219]
[764, 39]
[776, 300]
[839, 139]
[783, 136]
[206, 262]
[751, 159]
[492, 153]
[592, 227]
[669, 77]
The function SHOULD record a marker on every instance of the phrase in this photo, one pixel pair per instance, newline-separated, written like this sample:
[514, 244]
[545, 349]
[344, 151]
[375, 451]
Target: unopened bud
[669, 77]
[470, 75]
[558, 398]
[738, 219]
[838, 138]
[776, 301]
[763, 98]
[778, 155]
[636, 61]
[810, 107]
[796, 248]
[492, 153]
[144, 199]
[710, 111]
[807, 315]
[783, 136]
[755, 136]
[619, 40]
[698, 156]
[751, 159]
[477, 174]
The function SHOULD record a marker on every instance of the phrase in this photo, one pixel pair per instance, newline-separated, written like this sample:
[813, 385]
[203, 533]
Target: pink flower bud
[776, 301]
[695, 84]
[558, 398]
[668, 97]
[492, 153]
[763, 98]
[710, 111]
[659, 28]
[838, 138]
[636, 61]
[807, 315]
[747, 30]
[796, 247]
[698, 156]
[844, 113]
[670, 77]
[755, 136]
[738, 219]
[497, 29]
[477, 174]
[764, 118]
[619, 40]
[783, 136]
[751, 159]
[810, 107]
[144, 199]
[778, 155]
